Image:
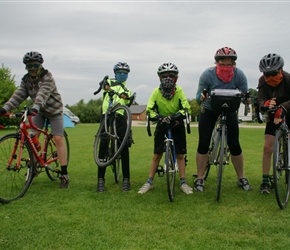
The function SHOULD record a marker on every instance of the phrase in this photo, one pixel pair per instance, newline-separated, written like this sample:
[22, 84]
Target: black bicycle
[113, 134]
[281, 168]
[170, 167]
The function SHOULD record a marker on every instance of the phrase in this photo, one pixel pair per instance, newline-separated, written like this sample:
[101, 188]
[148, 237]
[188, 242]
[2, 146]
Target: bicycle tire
[213, 151]
[221, 162]
[170, 170]
[108, 132]
[14, 183]
[53, 171]
[281, 175]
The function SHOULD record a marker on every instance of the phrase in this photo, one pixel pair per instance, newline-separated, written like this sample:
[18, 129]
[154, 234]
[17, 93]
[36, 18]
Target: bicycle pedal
[194, 175]
[160, 171]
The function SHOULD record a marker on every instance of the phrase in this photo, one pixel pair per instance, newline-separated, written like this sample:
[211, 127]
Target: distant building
[138, 112]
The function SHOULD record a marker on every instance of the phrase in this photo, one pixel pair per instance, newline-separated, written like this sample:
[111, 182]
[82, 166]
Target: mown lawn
[80, 218]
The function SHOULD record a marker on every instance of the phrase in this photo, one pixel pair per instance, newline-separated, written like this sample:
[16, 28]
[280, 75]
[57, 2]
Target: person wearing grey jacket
[39, 85]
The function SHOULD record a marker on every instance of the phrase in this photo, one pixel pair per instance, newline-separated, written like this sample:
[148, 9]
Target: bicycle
[20, 160]
[170, 163]
[223, 100]
[281, 167]
[113, 133]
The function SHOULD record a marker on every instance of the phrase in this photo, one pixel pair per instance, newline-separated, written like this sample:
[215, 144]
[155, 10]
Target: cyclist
[121, 70]
[167, 105]
[273, 90]
[39, 85]
[225, 75]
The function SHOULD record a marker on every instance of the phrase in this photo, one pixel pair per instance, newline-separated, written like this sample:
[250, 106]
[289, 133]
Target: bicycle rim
[280, 169]
[170, 170]
[53, 170]
[221, 163]
[112, 136]
[14, 183]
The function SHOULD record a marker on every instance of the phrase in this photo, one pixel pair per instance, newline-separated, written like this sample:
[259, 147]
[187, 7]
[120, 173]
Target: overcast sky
[81, 41]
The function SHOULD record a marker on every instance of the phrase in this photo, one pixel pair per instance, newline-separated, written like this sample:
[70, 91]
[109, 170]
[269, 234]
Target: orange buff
[274, 81]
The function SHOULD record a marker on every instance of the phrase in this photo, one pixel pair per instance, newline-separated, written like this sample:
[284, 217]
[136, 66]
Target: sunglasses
[271, 73]
[121, 72]
[30, 66]
[168, 75]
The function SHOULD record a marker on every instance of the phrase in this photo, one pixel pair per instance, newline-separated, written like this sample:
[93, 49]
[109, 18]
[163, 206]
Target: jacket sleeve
[152, 109]
[184, 103]
[20, 95]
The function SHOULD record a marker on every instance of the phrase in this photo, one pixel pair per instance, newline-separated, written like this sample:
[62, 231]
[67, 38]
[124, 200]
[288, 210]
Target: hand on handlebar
[2, 111]
[204, 95]
[279, 115]
[269, 104]
[32, 111]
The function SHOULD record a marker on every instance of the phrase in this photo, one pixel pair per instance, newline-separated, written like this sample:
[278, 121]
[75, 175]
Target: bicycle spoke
[281, 169]
[14, 179]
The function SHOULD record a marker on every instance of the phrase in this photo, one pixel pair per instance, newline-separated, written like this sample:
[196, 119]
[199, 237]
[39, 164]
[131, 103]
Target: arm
[152, 107]
[17, 98]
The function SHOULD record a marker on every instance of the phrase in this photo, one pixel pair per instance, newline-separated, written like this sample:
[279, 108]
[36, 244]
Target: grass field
[80, 218]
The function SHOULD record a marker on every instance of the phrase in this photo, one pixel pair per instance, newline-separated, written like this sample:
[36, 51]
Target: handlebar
[187, 120]
[27, 113]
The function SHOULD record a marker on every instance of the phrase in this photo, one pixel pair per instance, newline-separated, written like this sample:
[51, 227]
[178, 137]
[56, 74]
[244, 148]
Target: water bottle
[35, 141]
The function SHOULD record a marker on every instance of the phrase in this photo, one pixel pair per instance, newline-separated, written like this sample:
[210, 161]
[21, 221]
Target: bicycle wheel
[112, 135]
[221, 162]
[53, 169]
[14, 183]
[280, 169]
[170, 170]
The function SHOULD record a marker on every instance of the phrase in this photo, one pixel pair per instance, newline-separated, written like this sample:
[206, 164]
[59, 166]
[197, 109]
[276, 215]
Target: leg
[236, 151]
[149, 183]
[206, 125]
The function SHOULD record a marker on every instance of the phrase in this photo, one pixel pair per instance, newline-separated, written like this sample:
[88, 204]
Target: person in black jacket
[273, 90]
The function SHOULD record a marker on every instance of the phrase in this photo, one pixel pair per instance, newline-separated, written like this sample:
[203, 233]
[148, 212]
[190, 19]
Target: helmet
[167, 67]
[121, 66]
[271, 62]
[225, 52]
[32, 56]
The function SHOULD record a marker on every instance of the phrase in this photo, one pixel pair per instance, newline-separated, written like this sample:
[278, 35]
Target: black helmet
[32, 56]
[225, 52]
[271, 62]
[167, 67]
[121, 66]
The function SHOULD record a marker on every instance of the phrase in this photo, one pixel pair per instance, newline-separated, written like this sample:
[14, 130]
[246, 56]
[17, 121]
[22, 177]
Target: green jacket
[158, 105]
[120, 88]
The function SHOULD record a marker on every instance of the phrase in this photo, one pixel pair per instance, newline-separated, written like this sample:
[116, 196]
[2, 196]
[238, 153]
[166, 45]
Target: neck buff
[225, 73]
[274, 81]
[121, 77]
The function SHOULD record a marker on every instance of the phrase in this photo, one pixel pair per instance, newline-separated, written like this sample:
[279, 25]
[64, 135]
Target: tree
[7, 84]
[195, 108]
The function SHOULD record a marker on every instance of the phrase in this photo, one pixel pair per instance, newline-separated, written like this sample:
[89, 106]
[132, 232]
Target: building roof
[137, 109]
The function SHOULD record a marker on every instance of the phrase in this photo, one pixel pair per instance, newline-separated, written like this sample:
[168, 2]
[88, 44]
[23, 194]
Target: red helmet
[225, 52]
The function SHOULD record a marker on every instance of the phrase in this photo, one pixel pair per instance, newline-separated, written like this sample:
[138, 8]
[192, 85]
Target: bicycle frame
[169, 138]
[24, 136]
[216, 138]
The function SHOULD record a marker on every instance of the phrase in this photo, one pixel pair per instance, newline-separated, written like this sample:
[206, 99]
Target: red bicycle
[20, 160]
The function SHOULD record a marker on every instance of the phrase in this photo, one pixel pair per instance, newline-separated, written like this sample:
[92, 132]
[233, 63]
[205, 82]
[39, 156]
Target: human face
[226, 62]
[33, 68]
